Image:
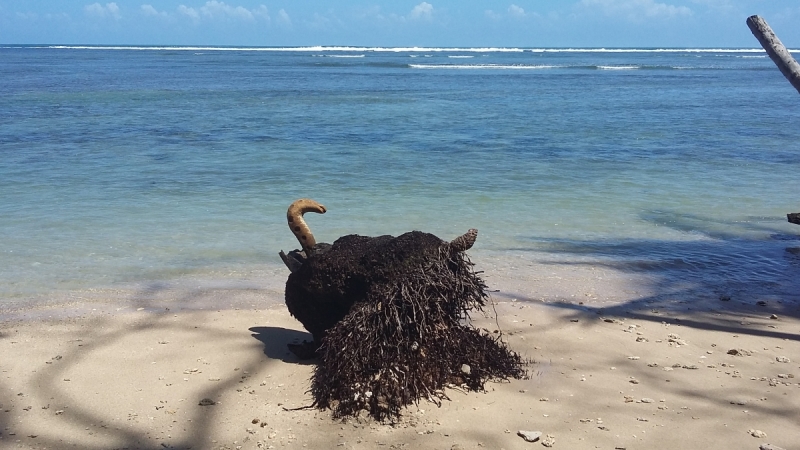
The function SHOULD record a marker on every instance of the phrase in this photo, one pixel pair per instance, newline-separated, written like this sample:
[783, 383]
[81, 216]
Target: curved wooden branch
[298, 226]
[465, 241]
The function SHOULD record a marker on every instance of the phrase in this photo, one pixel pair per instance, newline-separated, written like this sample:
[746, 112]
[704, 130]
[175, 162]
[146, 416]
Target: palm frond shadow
[711, 282]
[98, 339]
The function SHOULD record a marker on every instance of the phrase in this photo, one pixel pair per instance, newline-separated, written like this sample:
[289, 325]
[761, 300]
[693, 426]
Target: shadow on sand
[716, 281]
[98, 338]
[276, 339]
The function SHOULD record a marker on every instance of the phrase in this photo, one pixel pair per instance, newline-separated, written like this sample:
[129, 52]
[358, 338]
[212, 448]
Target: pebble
[782, 359]
[757, 433]
[768, 447]
[549, 440]
[207, 402]
[774, 317]
[466, 369]
[529, 436]
[647, 400]
[739, 352]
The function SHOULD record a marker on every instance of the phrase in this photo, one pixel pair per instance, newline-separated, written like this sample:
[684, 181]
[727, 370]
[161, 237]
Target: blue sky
[463, 23]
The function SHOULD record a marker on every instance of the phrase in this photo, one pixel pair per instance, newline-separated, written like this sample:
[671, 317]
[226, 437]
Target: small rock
[757, 433]
[549, 440]
[466, 369]
[761, 303]
[739, 352]
[774, 317]
[529, 436]
[647, 400]
[768, 447]
[456, 447]
[207, 402]
[739, 402]
[633, 358]
[782, 359]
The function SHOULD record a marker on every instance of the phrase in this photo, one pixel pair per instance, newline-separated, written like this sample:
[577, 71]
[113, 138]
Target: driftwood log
[782, 58]
[775, 49]
[390, 319]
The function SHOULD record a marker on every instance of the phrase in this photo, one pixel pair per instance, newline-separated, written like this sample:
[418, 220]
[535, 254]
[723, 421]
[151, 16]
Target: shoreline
[597, 278]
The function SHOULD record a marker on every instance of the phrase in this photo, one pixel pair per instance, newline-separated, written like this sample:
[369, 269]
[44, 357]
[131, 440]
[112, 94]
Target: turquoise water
[136, 165]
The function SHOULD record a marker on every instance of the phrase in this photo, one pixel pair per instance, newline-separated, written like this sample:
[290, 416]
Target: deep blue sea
[124, 166]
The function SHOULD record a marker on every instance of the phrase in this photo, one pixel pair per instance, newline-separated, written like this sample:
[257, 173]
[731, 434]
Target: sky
[398, 23]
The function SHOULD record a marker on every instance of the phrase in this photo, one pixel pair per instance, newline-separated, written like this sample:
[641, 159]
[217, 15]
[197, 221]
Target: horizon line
[376, 49]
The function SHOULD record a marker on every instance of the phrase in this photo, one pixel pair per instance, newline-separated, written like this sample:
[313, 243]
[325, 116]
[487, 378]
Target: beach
[631, 207]
[652, 374]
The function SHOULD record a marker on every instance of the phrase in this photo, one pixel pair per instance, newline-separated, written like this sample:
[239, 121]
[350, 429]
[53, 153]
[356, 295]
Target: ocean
[128, 168]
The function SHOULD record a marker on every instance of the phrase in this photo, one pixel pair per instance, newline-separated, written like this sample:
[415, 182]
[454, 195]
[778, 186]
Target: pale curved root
[465, 241]
[298, 226]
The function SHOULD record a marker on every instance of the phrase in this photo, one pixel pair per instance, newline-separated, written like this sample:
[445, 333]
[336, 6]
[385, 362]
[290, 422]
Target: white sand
[606, 374]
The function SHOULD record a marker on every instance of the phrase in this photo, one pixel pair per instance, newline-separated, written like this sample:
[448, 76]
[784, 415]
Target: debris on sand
[390, 317]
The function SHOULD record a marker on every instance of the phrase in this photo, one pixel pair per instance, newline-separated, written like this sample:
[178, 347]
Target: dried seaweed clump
[409, 334]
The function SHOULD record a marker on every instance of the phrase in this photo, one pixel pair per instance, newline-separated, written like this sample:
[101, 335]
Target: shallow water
[128, 167]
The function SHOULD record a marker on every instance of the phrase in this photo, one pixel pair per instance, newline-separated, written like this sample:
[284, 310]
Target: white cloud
[492, 15]
[189, 12]
[283, 17]
[423, 11]
[516, 11]
[635, 9]
[261, 12]
[216, 10]
[373, 12]
[98, 10]
[148, 10]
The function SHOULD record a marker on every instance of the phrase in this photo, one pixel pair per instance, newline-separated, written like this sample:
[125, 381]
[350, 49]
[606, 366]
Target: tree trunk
[775, 49]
